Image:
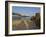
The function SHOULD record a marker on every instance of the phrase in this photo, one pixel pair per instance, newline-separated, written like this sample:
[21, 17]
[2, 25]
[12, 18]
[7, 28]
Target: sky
[28, 11]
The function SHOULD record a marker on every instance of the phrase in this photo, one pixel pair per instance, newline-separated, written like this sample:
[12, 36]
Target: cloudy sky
[28, 11]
